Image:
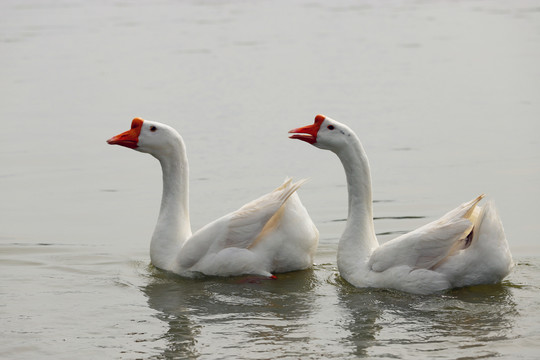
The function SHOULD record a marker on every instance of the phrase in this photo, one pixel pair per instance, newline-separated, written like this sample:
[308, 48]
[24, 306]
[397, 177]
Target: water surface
[444, 96]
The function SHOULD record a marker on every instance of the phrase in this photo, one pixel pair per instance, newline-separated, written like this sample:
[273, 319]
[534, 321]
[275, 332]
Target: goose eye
[153, 128]
[331, 127]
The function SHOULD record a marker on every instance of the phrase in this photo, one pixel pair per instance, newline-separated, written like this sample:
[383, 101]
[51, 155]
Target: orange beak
[308, 133]
[128, 138]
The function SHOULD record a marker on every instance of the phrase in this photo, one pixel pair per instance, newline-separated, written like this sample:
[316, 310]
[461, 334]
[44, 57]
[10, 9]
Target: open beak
[128, 138]
[308, 133]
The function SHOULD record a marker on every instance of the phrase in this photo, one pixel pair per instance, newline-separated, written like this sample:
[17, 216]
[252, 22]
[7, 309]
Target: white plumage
[271, 234]
[467, 246]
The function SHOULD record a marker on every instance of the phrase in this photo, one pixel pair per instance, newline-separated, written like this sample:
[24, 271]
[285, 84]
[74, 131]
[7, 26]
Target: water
[444, 96]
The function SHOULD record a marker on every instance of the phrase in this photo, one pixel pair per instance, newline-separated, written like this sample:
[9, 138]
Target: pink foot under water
[255, 279]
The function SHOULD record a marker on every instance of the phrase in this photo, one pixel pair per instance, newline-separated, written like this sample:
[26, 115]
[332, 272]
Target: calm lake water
[445, 96]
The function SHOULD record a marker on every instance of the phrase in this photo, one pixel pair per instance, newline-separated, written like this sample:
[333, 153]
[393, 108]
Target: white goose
[467, 246]
[271, 234]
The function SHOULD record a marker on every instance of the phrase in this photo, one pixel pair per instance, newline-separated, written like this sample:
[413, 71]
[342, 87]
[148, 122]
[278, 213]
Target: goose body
[466, 246]
[271, 234]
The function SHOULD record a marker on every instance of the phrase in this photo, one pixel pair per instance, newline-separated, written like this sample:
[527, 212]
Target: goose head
[148, 137]
[325, 133]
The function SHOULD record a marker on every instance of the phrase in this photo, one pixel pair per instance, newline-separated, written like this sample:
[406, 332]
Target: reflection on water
[284, 317]
[391, 323]
[73, 296]
[266, 314]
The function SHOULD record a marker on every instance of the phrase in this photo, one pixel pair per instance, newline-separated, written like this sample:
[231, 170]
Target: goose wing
[249, 224]
[428, 246]
[243, 228]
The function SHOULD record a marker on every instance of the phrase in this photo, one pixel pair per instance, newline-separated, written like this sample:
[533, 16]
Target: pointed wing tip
[478, 199]
[472, 205]
[288, 183]
[301, 182]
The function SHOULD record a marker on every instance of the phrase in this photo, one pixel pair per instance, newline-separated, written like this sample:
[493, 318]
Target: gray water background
[444, 95]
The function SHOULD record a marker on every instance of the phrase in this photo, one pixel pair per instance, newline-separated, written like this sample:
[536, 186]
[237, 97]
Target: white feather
[273, 233]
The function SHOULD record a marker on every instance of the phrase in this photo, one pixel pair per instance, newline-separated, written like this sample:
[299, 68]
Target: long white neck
[358, 240]
[173, 227]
